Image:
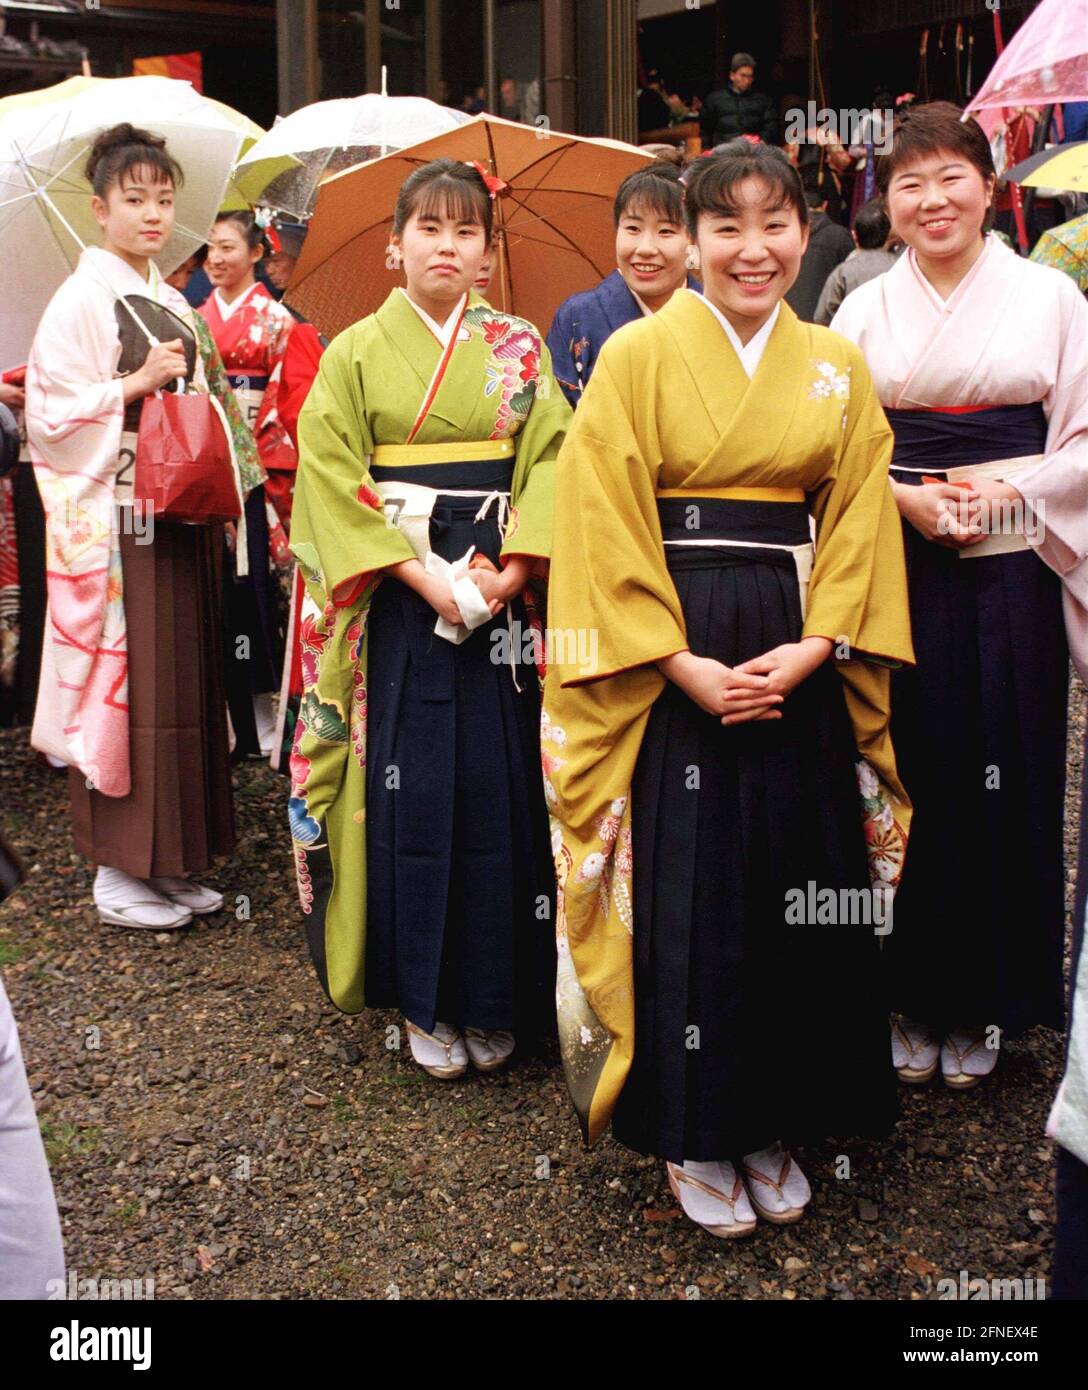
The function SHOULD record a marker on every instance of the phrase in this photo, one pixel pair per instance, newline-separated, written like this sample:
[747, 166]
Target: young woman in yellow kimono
[715, 723]
[424, 492]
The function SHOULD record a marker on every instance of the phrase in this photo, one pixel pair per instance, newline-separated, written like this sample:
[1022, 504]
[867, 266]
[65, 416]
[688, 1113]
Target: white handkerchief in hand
[470, 602]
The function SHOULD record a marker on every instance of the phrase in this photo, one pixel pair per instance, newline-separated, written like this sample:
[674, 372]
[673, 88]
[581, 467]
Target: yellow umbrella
[75, 86]
[552, 215]
[1064, 166]
[41, 96]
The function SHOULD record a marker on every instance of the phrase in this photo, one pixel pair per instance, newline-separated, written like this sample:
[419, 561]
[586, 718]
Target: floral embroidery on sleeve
[514, 367]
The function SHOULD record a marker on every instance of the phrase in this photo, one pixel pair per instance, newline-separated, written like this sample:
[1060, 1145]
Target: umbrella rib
[537, 217]
[508, 293]
[508, 276]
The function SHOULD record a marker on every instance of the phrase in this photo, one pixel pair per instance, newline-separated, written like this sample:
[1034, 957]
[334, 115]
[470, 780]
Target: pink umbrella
[1044, 63]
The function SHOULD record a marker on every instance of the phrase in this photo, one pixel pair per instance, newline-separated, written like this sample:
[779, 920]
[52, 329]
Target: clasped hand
[497, 586]
[950, 515]
[752, 691]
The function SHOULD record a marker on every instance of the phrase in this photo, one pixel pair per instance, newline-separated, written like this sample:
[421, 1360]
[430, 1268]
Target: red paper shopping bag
[184, 470]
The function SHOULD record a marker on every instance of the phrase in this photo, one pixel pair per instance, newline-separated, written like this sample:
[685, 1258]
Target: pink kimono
[993, 378]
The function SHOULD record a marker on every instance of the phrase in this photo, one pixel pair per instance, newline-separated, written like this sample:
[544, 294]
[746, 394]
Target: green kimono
[381, 383]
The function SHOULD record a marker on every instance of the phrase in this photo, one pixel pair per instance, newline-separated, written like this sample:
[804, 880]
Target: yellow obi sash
[461, 451]
[737, 494]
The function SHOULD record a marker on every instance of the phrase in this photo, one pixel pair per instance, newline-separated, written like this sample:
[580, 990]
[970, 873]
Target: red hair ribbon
[494, 184]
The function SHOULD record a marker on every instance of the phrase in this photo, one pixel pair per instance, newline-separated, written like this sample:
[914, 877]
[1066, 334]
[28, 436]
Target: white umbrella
[283, 169]
[45, 200]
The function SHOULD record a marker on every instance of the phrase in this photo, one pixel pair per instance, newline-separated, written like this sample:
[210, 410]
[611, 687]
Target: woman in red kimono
[251, 331]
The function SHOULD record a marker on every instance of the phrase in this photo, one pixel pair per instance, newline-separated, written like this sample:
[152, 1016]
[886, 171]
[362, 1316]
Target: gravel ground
[213, 1124]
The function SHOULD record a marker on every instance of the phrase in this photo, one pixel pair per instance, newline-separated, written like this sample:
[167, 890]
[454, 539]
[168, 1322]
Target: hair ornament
[494, 184]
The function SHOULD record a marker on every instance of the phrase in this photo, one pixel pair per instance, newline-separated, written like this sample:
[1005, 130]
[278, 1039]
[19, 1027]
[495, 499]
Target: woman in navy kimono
[651, 262]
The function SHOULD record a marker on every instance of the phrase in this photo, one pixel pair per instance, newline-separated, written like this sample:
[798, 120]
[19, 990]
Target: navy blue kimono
[581, 325]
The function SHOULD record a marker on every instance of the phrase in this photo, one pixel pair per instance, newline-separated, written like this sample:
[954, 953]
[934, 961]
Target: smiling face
[751, 256]
[231, 259]
[938, 203]
[136, 215]
[651, 253]
[442, 256]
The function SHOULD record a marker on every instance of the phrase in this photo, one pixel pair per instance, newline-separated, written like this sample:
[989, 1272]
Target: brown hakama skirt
[179, 814]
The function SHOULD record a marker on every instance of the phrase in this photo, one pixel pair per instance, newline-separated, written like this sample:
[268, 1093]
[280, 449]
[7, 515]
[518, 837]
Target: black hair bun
[117, 138]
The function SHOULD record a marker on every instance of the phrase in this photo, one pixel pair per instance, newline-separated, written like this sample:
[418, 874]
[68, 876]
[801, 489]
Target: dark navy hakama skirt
[790, 1035]
[460, 883]
[979, 728]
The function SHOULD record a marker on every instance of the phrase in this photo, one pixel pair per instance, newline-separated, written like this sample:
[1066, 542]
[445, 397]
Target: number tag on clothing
[126, 460]
[249, 403]
[408, 507]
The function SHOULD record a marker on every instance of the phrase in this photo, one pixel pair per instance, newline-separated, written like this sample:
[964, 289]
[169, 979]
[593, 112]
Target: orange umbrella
[553, 221]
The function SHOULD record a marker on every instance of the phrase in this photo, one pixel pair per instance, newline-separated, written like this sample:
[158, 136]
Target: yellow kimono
[671, 414]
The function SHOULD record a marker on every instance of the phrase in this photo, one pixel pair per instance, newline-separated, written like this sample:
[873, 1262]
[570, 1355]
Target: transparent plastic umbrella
[1045, 61]
[283, 170]
[45, 200]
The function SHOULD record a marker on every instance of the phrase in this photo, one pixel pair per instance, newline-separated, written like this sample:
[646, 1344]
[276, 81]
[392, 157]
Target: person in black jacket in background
[828, 246]
[738, 110]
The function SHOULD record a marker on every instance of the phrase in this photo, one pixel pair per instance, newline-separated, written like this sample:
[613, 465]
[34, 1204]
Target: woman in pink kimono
[981, 362]
[131, 694]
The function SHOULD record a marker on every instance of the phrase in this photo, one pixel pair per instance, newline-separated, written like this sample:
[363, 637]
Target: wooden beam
[559, 66]
[373, 75]
[622, 29]
[432, 46]
[491, 82]
[296, 54]
[196, 8]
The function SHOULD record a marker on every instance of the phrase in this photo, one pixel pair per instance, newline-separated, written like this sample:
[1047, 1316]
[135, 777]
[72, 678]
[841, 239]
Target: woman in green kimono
[423, 506]
[718, 758]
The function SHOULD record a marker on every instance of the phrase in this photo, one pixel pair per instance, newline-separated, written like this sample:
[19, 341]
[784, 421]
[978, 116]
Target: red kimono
[253, 335]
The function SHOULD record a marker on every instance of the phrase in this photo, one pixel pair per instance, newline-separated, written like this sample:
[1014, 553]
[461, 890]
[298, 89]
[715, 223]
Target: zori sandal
[915, 1051]
[441, 1053]
[126, 901]
[151, 913]
[966, 1060]
[780, 1200]
[488, 1051]
[726, 1216]
[194, 897]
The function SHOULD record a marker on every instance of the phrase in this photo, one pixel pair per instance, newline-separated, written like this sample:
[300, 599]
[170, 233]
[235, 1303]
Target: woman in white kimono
[131, 693]
[981, 361]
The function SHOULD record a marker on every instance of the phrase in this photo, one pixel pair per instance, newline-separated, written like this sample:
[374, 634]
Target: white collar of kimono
[751, 351]
[647, 312]
[225, 309]
[119, 276]
[947, 306]
[442, 331]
